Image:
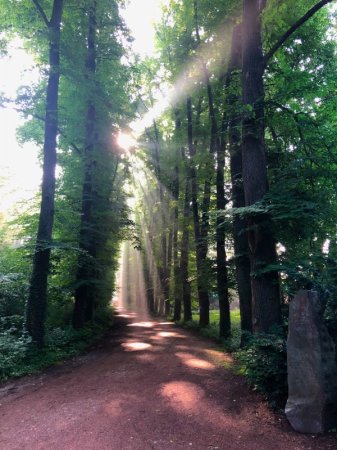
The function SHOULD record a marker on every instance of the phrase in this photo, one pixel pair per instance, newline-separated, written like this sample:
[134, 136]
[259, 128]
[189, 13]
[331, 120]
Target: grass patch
[212, 330]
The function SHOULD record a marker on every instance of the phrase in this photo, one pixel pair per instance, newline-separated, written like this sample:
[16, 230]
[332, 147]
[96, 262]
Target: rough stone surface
[312, 371]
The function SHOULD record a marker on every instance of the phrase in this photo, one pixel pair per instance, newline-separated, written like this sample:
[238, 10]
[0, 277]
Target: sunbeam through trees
[194, 183]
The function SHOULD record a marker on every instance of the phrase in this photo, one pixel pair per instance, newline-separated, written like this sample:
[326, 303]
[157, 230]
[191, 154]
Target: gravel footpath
[148, 385]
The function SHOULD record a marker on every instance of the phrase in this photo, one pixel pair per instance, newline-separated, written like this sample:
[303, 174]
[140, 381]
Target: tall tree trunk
[37, 300]
[176, 270]
[215, 147]
[185, 245]
[85, 292]
[148, 285]
[205, 206]
[169, 264]
[265, 285]
[148, 267]
[164, 281]
[240, 237]
[202, 275]
[221, 256]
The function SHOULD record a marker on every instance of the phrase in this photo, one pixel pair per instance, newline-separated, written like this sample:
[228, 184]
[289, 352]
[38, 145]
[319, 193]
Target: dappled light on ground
[145, 358]
[191, 361]
[194, 401]
[182, 395]
[126, 316]
[218, 357]
[161, 336]
[140, 396]
[155, 337]
[114, 408]
[142, 324]
[122, 312]
[136, 346]
[168, 334]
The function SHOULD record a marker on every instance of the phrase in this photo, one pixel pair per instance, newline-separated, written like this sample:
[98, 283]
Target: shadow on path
[148, 385]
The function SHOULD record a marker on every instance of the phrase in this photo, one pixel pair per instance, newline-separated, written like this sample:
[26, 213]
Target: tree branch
[294, 27]
[295, 116]
[41, 12]
[150, 138]
[61, 133]
[42, 119]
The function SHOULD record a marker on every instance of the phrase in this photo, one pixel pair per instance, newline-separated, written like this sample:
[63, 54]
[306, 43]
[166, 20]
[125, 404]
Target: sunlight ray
[209, 58]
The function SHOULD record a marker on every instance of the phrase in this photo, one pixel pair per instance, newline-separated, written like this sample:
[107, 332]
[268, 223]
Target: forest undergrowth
[20, 357]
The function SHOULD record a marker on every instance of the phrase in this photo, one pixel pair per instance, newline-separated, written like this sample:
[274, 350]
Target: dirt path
[147, 386]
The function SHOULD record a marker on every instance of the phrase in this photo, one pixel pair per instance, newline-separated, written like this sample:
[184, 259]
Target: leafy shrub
[59, 338]
[13, 289]
[14, 323]
[264, 362]
[19, 356]
[14, 348]
[212, 330]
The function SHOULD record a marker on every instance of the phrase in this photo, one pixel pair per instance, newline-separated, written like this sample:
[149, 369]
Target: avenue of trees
[63, 270]
[238, 198]
[246, 156]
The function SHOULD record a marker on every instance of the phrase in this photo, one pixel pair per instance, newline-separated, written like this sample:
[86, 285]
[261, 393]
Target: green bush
[14, 348]
[212, 330]
[13, 290]
[264, 362]
[19, 356]
[14, 323]
[58, 339]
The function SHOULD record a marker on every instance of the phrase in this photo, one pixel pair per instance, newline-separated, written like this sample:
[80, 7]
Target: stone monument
[312, 370]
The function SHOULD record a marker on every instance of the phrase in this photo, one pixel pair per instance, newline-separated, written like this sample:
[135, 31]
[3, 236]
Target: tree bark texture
[148, 284]
[163, 272]
[184, 250]
[219, 150]
[221, 256]
[264, 282]
[37, 299]
[169, 264]
[202, 272]
[176, 269]
[242, 263]
[86, 273]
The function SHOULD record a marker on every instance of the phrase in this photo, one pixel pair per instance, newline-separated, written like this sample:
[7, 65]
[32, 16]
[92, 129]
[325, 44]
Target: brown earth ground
[148, 385]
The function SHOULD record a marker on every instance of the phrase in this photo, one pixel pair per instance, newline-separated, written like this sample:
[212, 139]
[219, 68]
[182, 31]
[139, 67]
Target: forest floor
[147, 385]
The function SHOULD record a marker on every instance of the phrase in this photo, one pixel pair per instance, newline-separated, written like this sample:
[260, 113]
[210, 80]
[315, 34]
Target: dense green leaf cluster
[299, 113]
[264, 363]
[20, 357]
[108, 89]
